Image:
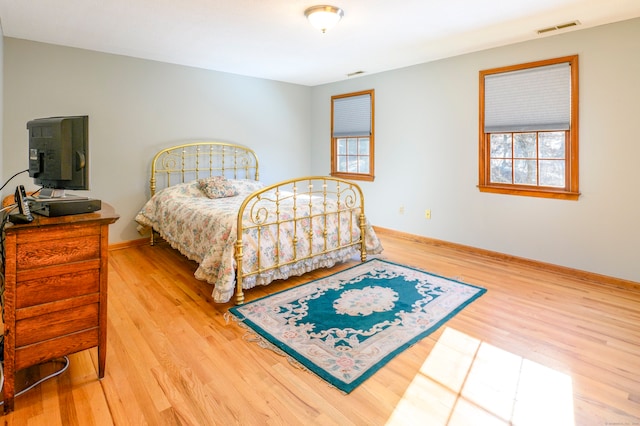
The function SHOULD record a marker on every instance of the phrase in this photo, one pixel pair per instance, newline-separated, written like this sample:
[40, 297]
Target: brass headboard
[196, 160]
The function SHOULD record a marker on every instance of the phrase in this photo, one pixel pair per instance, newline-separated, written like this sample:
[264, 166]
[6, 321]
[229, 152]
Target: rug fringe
[228, 316]
[253, 337]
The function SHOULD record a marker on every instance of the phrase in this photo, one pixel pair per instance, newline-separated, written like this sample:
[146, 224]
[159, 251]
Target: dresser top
[106, 214]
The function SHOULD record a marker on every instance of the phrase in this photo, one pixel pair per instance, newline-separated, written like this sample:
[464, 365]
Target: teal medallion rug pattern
[348, 325]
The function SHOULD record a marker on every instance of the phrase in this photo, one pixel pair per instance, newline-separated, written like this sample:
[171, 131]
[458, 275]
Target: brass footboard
[301, 218]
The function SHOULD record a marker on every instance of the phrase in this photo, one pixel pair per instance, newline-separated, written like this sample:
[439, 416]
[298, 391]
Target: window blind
[526, 100]
[352, 116]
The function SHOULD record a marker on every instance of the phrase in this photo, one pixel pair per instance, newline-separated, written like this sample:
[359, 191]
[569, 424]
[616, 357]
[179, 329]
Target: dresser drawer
[56, 252]
[36, 289]
[54, 324]
[49, 349]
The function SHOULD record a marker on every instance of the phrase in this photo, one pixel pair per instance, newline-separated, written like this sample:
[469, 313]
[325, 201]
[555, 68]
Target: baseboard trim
[576, 273]
[128, 244]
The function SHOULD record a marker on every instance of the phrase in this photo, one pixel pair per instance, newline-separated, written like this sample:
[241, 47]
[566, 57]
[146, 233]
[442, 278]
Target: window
[352, 135]
[529, 129]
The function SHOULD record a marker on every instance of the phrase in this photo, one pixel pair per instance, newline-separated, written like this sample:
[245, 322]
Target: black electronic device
[24, 215]
[62, 207]
[59, 153]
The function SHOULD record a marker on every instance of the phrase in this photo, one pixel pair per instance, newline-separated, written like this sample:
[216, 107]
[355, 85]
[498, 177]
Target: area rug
[347, 326]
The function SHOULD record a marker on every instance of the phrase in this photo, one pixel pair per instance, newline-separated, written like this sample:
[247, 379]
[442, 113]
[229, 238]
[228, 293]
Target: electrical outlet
[427, 214]
[401, 210]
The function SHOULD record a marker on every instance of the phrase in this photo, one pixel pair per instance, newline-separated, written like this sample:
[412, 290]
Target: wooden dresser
[55, 290]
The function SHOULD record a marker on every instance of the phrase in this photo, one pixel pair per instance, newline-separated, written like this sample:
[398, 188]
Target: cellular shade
[531, 99]
[352, 116]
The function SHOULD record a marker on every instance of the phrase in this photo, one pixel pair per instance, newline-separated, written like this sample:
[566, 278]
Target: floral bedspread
[204, 230]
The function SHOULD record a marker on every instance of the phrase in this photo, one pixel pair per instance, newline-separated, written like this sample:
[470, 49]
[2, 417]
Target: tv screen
[59, 153]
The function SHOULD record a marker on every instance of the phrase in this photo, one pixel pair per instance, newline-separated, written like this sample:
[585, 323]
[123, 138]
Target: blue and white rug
[348, 325]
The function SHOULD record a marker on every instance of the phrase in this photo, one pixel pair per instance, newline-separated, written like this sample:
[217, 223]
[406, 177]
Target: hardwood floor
[539, 348]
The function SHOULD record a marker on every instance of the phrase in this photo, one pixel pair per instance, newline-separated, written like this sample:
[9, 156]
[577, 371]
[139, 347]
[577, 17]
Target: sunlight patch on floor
[466, 381]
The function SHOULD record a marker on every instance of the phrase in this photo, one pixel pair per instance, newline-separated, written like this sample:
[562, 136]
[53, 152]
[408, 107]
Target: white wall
[427, 155]
[137, 107]
[426, 146]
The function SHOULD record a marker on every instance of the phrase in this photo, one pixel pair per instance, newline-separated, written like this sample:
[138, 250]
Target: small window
[529, 129]
[352, 135]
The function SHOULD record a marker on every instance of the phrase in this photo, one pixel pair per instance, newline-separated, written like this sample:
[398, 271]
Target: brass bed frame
[196, 160]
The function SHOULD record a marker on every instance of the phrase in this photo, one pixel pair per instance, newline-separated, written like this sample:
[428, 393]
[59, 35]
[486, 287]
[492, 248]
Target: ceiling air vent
[559, 27]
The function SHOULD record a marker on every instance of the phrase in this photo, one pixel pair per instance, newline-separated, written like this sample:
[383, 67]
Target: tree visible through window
[352, 135]
[529, 129]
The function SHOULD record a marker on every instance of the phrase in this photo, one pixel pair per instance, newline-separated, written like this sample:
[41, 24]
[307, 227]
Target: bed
[207, 201]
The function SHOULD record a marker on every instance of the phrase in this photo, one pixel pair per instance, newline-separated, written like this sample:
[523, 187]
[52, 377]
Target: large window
[352, 135]
[529, 129]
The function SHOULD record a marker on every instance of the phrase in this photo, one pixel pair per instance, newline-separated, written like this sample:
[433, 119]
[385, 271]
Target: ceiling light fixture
[324, 17]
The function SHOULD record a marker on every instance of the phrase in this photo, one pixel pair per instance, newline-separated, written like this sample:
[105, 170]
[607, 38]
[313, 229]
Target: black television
[59, 154]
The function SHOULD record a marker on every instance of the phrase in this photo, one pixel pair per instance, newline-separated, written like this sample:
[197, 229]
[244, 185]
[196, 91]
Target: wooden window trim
[334, 142]
[571, 189]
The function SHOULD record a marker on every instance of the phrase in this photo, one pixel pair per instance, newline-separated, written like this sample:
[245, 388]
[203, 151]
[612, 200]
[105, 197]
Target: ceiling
[272, 39]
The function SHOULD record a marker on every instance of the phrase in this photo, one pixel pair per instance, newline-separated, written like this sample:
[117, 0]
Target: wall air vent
[559, 27]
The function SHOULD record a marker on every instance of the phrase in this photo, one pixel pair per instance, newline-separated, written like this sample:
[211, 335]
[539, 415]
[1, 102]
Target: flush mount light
[324, 17]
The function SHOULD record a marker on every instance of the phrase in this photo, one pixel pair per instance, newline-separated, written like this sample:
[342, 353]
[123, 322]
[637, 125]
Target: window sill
[354, 176]
[530, 192]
